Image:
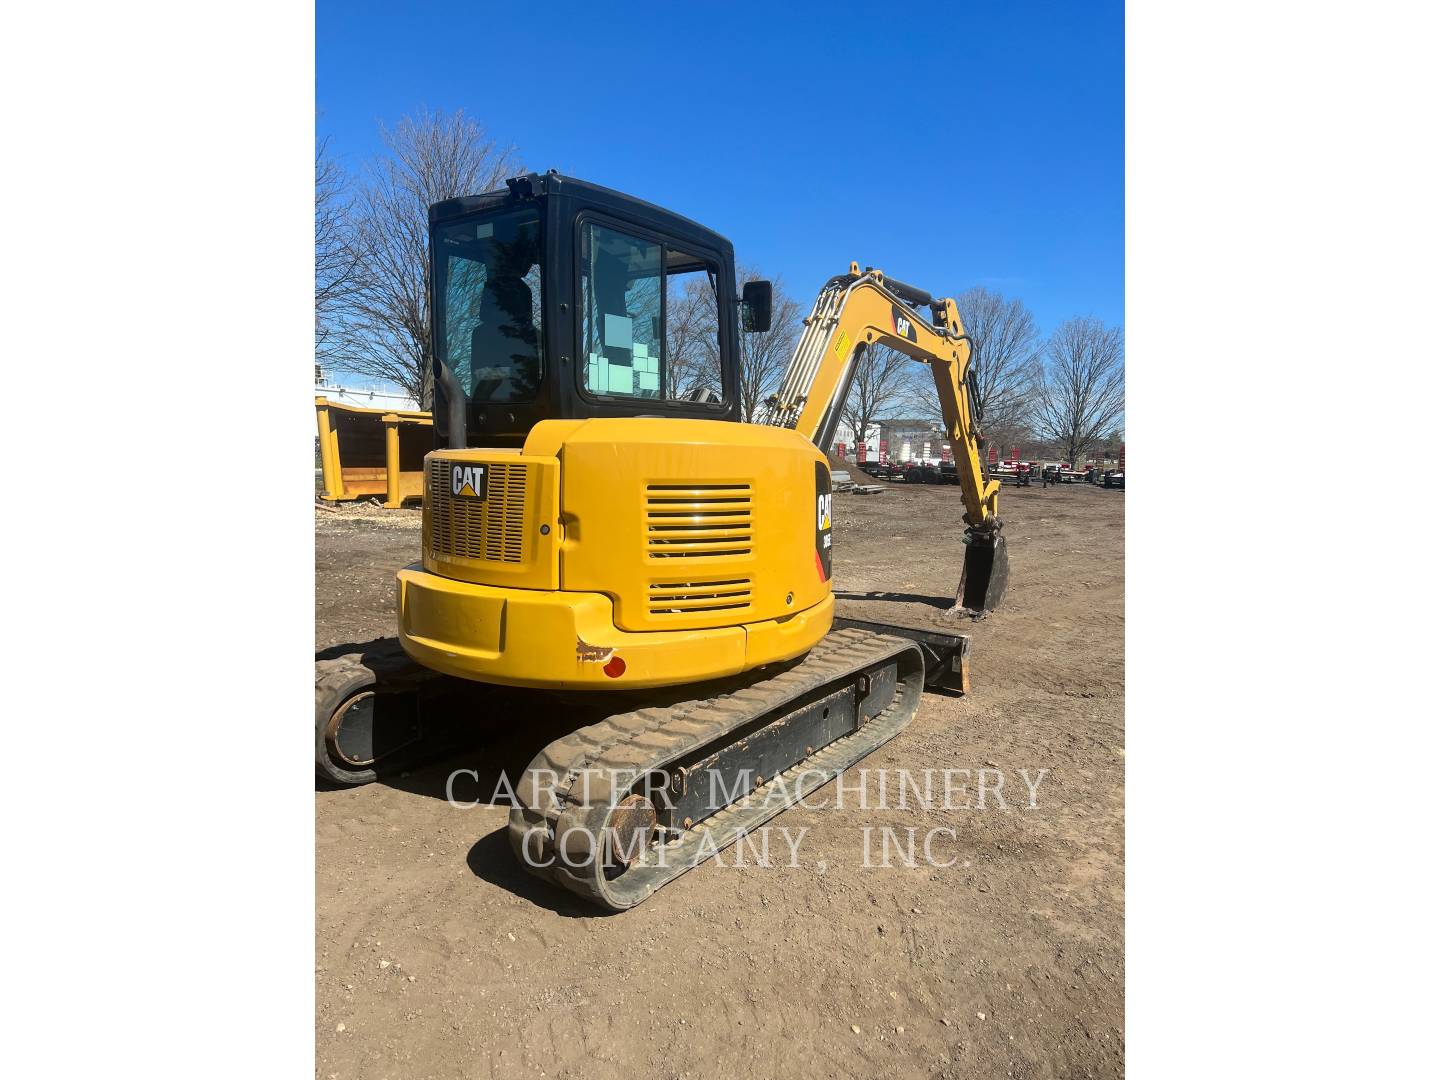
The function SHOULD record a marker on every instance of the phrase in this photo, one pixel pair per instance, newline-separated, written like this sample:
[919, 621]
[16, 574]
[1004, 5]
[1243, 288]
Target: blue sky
[948, 144]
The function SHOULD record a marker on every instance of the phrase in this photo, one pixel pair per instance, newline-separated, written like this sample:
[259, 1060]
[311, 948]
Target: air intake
[689, 597]
[492, 529]
[697, 521]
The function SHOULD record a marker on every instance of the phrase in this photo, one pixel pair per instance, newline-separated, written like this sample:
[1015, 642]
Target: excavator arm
[856, 311]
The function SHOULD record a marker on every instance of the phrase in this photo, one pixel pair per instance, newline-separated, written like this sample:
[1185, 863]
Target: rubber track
[584, 762]
[386, 669]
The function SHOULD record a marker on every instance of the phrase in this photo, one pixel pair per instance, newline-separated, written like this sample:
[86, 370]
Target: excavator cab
[559, 299]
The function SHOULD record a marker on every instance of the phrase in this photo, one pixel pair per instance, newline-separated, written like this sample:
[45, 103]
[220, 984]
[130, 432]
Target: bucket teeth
[985, 574]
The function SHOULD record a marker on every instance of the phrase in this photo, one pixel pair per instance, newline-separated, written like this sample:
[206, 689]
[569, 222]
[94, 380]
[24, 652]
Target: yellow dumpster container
[366, 452]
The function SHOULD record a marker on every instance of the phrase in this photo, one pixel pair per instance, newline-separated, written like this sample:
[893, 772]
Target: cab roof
[552, 184]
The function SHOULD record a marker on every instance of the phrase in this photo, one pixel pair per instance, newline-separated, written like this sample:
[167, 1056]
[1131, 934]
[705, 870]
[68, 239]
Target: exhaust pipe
[985, 573]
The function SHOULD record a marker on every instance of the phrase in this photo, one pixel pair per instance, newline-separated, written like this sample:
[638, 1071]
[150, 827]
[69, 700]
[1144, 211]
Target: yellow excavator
[598, 524]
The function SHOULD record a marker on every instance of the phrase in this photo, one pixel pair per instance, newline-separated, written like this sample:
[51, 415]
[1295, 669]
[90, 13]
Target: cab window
[489, 296]
[649, 324]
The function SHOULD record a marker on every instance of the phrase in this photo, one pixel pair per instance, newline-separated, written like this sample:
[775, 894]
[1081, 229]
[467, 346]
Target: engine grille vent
[492, 528]
[688, 597]
[697, 520]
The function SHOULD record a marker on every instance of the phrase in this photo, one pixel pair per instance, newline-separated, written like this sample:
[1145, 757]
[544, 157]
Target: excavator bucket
[985, 574]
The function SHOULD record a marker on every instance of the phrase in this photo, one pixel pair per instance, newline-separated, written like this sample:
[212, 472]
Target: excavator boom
[856, 311]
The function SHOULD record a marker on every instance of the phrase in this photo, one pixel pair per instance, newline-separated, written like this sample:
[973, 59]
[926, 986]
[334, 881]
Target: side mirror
[755, 299]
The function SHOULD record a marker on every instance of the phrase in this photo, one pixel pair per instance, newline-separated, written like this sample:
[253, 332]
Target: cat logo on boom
[903, 326]
[467, 481]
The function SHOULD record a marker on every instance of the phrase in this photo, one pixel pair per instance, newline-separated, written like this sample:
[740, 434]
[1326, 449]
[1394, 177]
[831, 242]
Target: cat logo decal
[903, 323]
[824, 507]
[467, 481]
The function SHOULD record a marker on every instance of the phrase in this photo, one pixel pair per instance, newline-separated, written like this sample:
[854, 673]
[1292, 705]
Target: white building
[366, 397]
[895, 441]
[845, 434]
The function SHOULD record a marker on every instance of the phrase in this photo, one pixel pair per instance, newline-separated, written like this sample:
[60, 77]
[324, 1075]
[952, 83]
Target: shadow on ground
[944, 603]
[492, 860]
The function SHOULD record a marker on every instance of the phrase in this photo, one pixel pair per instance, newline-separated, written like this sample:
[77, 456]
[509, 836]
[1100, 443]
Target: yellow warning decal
[842, 344]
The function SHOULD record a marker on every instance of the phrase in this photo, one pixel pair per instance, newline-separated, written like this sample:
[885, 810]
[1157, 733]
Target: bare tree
[335, 257]
[691, 362]
[764, 356]
[1014, 435]
[1079, 386]
[429, 157]
[1113, 444]
[1006, 344]
[882, 380]
[693, 343]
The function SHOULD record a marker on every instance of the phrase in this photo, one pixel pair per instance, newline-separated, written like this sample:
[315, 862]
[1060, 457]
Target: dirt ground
[437, 956]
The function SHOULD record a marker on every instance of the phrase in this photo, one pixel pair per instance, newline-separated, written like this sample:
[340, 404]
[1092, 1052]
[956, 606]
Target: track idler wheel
[630, 829]
[364, 725]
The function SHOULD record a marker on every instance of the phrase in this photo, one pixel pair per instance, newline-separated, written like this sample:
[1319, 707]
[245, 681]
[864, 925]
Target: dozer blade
[985, 574]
